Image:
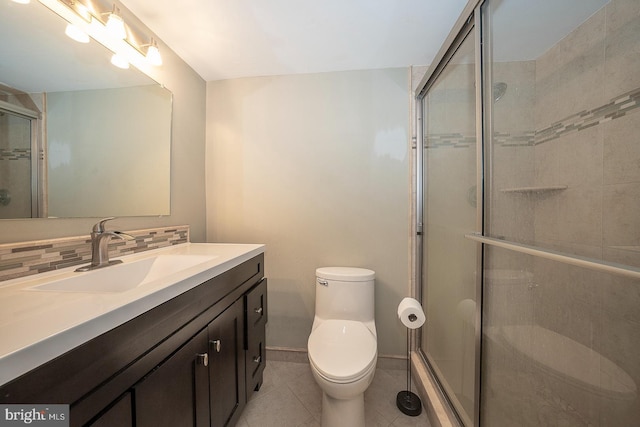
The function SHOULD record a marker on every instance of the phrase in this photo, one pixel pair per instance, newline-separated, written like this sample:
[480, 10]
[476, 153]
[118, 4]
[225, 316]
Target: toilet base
[409, 403]
[343, 412]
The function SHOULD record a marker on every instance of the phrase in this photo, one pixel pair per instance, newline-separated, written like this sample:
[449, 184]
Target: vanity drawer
[255, 321]
[255, 311]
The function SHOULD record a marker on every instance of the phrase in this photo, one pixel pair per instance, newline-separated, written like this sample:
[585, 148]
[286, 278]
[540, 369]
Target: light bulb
[115, 26]
[153, 55]
[120, 61]
[76, 34]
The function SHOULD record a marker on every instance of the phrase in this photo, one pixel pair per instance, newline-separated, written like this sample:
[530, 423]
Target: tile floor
[290, 397]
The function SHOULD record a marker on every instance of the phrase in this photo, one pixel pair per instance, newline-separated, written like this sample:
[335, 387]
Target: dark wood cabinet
[173, 394]
[187, 362]
[226, 368]
[255, 302]
[119, 414]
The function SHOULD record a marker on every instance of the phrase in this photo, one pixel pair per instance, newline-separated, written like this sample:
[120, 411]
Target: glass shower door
[561, 324]
[450, 212]
[16, 167]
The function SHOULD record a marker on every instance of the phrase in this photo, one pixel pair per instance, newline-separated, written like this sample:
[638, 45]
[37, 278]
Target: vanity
[179, 341]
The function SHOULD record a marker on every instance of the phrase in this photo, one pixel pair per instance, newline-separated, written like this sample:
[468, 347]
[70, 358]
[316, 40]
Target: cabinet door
[176, 393]
[120, 414]
[256, 317]
[226, 367]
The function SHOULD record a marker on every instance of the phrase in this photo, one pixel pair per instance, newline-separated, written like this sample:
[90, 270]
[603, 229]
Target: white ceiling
[224, 39]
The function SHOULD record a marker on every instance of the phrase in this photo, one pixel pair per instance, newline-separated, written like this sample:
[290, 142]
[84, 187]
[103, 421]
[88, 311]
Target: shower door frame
[37, 155]
[470, 21]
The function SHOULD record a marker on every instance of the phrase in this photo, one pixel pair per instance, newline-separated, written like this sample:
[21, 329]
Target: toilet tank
[345, 293]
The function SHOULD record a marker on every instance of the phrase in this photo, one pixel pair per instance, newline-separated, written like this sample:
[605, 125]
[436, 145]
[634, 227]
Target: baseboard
[286, 354]
[298, 355]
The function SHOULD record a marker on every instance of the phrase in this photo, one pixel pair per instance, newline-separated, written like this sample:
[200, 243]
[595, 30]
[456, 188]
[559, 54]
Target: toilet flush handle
[323, 282]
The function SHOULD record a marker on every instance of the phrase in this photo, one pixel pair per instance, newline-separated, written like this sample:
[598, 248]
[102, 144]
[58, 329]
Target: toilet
[343, 346]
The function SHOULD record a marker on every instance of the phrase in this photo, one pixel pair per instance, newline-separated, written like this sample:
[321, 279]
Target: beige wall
[317, 167]
[187, 165]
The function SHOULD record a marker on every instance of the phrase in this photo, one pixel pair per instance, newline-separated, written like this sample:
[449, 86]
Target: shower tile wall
[599, 164]
[512, 149]
[571, 118]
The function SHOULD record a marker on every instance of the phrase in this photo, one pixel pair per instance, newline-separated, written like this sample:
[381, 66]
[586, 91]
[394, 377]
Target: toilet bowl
[343, 343]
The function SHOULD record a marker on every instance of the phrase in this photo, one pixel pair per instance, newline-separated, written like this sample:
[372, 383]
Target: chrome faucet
[100, 246]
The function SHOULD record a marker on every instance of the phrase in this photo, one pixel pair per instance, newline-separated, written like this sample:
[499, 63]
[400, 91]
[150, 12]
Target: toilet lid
[346, 274]
[342, 350]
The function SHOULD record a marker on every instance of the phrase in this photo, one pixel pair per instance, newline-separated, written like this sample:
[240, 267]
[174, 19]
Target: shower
[531, 296]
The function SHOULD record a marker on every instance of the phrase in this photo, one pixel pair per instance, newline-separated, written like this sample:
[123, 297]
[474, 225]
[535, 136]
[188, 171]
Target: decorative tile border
[15, 154]
[38, 256]
[514, 139]
[616, 108]
[450, 140]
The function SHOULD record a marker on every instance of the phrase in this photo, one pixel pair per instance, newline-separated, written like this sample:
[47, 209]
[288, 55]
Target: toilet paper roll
[410, 313]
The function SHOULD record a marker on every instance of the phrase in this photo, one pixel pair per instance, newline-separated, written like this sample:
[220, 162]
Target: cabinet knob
[216, 344]
[257, 359]
[258, 310]
[202, 359]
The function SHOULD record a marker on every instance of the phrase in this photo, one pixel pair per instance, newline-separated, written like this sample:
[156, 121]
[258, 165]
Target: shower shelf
[531, 190]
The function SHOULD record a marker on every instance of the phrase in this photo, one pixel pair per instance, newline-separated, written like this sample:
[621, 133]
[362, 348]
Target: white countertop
[37, 326]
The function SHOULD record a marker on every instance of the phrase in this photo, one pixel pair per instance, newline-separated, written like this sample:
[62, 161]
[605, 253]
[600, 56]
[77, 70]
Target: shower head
[499, 89]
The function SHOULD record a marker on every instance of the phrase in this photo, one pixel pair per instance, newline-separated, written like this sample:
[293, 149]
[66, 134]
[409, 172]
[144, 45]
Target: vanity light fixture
[115, 24]
[77, 34]
[153, 54]
[22, 1]
[109, 29]
[119, 61]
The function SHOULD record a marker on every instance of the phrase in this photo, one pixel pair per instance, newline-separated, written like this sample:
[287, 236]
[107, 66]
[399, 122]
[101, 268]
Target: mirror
[79, 137]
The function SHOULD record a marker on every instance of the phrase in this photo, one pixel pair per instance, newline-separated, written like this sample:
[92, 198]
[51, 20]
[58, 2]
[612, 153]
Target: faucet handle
[99, 226]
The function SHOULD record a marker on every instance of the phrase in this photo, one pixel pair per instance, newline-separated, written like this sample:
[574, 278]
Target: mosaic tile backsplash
[38, 256]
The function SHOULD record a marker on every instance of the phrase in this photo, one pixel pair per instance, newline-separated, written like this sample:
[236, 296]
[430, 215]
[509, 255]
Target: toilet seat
[342, 351]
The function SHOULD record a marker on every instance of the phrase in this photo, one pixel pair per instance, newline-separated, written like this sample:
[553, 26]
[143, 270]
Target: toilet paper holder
[410, 310]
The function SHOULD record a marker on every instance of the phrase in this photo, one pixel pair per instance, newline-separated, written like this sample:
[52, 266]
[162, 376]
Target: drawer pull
[216, 344]
[257, 359]
[258, 310]
[202, 359]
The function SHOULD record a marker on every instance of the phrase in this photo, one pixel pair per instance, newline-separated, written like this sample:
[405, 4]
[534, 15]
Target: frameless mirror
[78, 136]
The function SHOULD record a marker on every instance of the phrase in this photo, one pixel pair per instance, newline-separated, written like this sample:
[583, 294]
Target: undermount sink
[125, 276]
